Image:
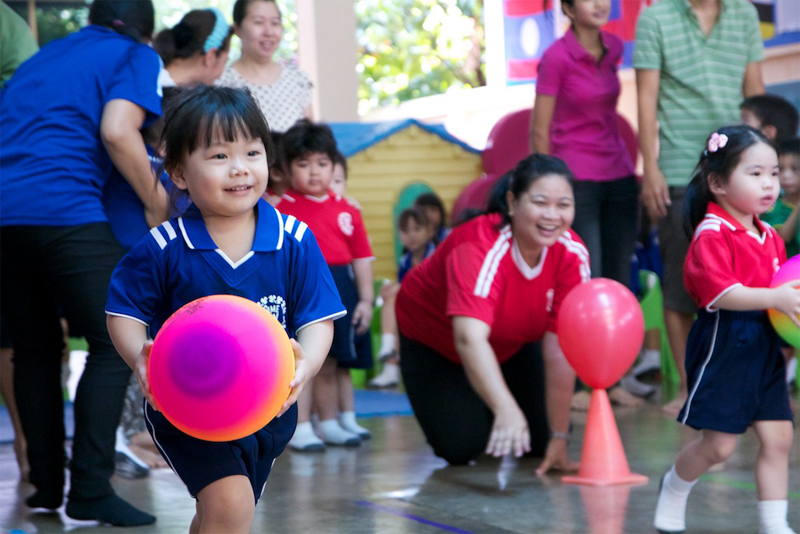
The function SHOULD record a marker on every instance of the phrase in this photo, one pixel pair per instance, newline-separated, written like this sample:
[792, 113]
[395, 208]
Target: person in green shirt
[695, 61]
[16, 42]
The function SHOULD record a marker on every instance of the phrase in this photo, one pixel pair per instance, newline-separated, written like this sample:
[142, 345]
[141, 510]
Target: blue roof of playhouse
[353, 137]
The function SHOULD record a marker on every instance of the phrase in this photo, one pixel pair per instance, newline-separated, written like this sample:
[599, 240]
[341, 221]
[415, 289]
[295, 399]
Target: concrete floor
[394, 484]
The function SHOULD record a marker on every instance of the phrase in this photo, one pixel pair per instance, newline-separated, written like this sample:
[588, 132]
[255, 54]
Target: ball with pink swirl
[220, 368]
[789, 272]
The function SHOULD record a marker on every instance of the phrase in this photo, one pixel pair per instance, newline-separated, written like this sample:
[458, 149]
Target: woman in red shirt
[478, 318]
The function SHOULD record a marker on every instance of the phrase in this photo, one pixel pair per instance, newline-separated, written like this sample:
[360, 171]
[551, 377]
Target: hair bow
[717, 141]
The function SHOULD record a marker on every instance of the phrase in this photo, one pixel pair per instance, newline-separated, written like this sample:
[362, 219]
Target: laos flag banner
[529, 30]
[530, 26]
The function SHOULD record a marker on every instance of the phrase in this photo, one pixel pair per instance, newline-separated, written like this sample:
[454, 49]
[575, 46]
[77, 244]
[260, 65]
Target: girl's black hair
[527, 171]
[202, 114]
[240, 9]
[188, 37]
[717, 165]
[432, 200]
[133, 18]
[307, 137]
[414, 213]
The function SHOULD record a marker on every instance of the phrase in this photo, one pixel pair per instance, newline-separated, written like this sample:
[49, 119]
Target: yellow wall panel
[379, 173]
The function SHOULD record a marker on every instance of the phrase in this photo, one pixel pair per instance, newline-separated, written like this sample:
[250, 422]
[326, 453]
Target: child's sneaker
[304, 439]
[389, 377]
[333, 434]
[347, 420]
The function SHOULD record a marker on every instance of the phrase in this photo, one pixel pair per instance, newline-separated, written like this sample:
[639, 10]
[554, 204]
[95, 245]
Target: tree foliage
[414, 48]
[407, 48]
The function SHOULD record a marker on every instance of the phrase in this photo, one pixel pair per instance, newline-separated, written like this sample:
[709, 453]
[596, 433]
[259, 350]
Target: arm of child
[788, 230]
[559, 383]
[784, 298]
[310, 350]
[362, 315]
[119, 130]
[130, 340]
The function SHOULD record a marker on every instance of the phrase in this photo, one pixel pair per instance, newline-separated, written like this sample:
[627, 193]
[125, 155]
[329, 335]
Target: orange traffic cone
[603, 461]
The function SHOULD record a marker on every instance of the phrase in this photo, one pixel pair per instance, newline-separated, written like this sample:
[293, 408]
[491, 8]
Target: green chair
[652, 303]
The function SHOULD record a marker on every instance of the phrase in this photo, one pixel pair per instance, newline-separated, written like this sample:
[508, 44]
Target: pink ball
[600, 330]
[220, 368]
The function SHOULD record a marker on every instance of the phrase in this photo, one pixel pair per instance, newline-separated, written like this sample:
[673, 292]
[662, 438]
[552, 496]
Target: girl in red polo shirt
[735, 369]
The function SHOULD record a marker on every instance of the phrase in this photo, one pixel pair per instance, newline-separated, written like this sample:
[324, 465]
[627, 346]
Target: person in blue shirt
[229, 241]
[68, 113]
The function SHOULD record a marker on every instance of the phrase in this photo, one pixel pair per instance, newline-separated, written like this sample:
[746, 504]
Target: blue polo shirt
[178, 262]
[53, 164]
[124, 209]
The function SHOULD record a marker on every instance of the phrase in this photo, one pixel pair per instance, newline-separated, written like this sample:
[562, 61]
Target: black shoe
[127, 467]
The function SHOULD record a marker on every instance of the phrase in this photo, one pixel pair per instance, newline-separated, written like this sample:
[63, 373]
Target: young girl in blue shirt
[228, 241]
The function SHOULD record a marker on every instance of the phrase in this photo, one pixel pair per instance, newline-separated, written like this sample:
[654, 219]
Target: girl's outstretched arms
[130, 340]
[310, 350]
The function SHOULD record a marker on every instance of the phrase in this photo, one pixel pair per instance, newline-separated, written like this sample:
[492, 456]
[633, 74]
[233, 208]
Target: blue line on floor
[418, 519]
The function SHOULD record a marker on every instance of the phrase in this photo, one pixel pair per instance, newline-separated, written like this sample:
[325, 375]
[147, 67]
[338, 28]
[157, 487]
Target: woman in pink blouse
[574, 118]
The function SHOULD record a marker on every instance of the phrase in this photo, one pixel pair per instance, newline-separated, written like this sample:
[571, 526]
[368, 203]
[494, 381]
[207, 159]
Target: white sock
[121, 445]
[387, 345]
[305, 439]
[791, 370]
[333, 434]
[671, 506]
[650, 360]
[347, 420]
[390, 376]
[772, 517]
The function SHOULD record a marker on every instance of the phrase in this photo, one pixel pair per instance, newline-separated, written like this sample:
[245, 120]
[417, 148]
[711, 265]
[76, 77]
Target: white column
[327, 51]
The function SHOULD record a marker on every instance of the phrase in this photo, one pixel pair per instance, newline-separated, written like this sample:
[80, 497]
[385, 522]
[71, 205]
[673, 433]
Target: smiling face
[752, 187]
[588, 13]
[225, 179]
[541, 214]
[311, 174]
[261, 30]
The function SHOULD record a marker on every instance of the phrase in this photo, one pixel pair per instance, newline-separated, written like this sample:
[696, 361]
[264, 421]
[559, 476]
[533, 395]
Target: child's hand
[362, 316]
[142, 361]
[787, 300]
[302, 375]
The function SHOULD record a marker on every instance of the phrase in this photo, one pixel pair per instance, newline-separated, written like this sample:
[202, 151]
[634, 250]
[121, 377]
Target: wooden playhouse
[390, 163]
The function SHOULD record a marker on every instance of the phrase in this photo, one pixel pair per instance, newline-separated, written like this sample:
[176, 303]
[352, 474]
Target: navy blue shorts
[736, 372]
[348, 349]
[198, 463]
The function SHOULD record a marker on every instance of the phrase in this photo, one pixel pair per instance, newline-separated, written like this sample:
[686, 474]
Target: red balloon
[600, 330]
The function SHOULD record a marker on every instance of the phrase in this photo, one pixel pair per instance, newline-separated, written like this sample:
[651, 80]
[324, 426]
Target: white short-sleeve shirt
[282, 102]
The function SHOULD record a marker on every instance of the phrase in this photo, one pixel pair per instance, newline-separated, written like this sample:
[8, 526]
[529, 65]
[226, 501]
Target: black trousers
[45, 272]
[455, 420]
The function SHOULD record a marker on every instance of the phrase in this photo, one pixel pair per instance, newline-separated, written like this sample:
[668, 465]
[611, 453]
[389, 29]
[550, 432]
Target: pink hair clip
[717, 141]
